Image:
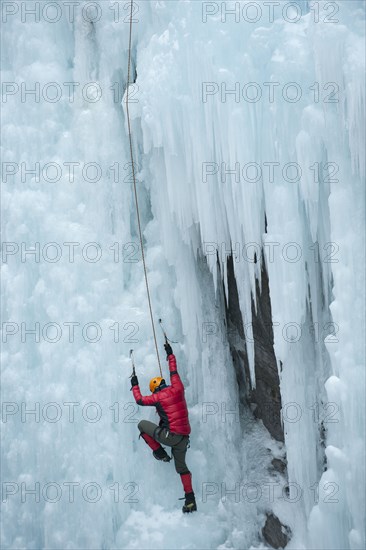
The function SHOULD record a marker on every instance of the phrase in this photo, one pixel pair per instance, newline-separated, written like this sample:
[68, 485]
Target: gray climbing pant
[178, 443]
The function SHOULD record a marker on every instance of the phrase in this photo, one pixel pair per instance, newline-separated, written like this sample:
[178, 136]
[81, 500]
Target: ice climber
[173, 429]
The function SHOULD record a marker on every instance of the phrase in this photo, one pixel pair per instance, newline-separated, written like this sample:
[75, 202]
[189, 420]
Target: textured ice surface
[178, 140]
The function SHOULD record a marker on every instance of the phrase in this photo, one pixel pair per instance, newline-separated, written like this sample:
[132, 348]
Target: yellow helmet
[155, 383]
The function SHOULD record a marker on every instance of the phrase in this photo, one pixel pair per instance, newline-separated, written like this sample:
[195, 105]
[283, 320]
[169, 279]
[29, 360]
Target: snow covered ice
[249, 136]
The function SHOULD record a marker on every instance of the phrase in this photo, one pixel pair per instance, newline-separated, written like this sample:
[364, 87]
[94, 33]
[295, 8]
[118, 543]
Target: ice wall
[189, 204]
[206, 129]
[94, 483]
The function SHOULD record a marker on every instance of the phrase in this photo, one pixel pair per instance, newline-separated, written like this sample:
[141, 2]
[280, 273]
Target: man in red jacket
[173, 429]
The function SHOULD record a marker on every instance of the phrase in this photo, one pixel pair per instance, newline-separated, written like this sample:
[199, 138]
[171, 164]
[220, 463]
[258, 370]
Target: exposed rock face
[279, 465]
[276, 534]
[267, 392]
[236, 336]
[266, 395]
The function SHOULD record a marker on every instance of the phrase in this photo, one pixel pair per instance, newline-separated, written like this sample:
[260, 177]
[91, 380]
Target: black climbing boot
[161, 454]
[190, 504]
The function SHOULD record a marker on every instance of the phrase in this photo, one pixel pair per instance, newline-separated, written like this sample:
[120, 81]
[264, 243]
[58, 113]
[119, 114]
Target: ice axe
[133, 364]
[165, 336]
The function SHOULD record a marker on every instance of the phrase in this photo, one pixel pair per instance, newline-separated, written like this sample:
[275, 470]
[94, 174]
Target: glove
[168, 349]
[134, 381]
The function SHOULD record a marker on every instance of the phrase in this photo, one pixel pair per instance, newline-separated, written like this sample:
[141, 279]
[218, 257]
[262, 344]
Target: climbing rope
[135, 190]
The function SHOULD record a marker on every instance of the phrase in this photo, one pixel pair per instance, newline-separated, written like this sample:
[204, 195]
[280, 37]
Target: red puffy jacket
[169, 402]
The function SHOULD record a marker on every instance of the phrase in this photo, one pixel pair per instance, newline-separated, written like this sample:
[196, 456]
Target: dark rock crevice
[266, 396]
[276, 534]
[265, 399]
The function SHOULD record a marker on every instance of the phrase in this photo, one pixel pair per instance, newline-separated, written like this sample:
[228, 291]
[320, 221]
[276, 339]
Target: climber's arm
[147, 400]
[175, 380]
